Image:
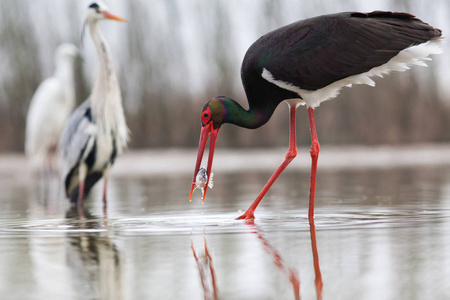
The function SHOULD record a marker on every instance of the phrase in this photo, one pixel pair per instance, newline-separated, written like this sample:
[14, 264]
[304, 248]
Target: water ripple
[223, 223]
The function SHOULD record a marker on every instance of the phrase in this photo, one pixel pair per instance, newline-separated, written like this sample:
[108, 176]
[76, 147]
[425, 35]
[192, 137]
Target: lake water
[379, 233]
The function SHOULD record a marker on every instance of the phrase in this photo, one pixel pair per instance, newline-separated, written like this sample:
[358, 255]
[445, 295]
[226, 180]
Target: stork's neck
[106, 88]
[254, 117]
[263, 98]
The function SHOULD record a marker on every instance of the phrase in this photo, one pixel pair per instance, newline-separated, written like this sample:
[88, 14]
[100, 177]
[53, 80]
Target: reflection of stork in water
[318, 280]
[207, 273]
[292, 273]
[96, 133]
[279, 263]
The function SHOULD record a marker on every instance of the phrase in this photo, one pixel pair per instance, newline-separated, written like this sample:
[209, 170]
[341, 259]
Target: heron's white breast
[104, 149]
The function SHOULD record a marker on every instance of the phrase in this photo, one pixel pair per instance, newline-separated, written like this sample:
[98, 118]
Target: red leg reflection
[318, 279]
[279, 263]
[292, 273]
[207, 273]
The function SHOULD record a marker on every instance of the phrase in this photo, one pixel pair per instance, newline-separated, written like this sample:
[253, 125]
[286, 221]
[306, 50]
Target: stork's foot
[248, 216]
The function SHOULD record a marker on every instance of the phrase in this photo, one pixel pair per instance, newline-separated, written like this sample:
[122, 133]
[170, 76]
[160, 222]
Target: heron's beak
[207, 131]
[110, 16]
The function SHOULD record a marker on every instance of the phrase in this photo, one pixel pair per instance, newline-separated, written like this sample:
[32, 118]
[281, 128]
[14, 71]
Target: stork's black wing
[316, 52]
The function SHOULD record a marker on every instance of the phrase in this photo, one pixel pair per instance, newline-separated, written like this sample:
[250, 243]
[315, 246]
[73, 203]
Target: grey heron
[50, 108]
[96, 132]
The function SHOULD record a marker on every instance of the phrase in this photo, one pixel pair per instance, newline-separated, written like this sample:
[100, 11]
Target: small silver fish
[202, 178]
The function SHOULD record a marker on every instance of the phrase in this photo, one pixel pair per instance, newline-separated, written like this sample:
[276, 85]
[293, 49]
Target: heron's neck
[106, 99]
[65, 73]
[106, 89]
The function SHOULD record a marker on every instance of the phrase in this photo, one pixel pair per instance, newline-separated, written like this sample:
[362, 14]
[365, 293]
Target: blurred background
[382, 222]
[173, 55]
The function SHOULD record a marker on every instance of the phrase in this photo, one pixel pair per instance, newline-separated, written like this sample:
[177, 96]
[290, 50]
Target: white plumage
[50, 107]
[414, 55]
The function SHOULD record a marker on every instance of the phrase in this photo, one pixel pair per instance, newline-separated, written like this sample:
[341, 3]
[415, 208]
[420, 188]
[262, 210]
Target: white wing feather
[46, 118]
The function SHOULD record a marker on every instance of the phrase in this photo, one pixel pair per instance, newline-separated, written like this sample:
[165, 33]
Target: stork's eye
[206, 115]
[97, 10]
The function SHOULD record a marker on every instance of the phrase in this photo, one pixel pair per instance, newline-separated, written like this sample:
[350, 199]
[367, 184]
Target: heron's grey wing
[76, 137]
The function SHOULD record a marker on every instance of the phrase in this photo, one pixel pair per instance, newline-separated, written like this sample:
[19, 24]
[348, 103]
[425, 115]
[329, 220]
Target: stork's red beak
[110, 16]
[207, 131]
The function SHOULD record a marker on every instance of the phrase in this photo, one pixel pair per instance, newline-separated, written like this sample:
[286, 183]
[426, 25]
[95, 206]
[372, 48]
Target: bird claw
[247, 216]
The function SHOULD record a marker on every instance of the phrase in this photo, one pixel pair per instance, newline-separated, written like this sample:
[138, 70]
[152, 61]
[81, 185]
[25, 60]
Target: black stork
[308, 62]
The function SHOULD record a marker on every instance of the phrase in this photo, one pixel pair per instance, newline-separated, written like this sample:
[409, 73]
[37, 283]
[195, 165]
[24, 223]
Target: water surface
[380, 233]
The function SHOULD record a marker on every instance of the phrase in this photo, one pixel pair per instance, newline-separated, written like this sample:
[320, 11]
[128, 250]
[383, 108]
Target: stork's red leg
[290, 155]
[315, 148]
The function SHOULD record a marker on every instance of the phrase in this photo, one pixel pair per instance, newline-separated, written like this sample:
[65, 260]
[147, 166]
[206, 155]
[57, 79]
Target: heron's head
[214, 114]
[98, 11]
[67, 52]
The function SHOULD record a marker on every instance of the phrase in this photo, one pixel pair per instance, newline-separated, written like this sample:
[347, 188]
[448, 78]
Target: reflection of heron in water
[94, 260]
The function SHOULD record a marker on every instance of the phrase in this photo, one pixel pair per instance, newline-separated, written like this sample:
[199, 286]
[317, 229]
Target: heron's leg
[82, 172]
[105, 184]
[45, 179]
[290, 155]
[315, 148]
[51, 154]
[49, 171]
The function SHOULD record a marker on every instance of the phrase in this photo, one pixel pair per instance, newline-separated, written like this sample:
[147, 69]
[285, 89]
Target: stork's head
[98, 11]
[214, 114]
